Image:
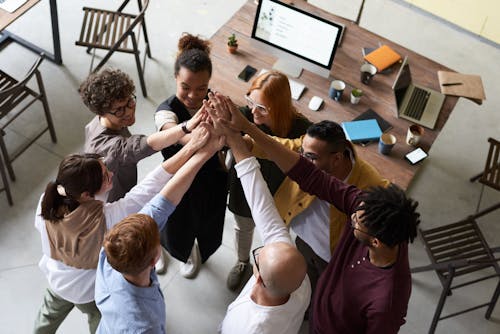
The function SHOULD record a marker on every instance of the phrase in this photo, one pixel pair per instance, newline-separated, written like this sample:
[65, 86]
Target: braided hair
[389, 215]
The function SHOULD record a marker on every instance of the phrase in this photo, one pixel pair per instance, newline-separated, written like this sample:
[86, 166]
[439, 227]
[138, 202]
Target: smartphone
[416, 156]
[247, 73]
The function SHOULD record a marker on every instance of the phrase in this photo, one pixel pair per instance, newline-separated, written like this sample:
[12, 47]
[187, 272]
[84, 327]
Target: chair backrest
[491, 174]
[100, 36]
[12, 92]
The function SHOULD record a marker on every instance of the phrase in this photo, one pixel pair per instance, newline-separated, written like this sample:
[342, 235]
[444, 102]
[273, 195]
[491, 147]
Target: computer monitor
[311, 38]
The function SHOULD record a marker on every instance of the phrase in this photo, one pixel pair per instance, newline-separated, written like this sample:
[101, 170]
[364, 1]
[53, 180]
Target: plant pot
[232, 49]
[355, 99]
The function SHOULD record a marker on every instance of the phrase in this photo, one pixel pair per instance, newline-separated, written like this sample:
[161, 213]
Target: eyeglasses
[260, 107]
[355, 221]
[255, 254]
[310, 156]
[120, 111]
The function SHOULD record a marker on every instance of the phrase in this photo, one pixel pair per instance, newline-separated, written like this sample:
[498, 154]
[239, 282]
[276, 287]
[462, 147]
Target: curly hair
[194, 54]
[389, 215]
[100, 90]
[333, 134]
[132, 244]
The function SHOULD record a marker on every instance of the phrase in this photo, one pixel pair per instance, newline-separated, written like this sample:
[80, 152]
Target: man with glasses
[110, 95]
[367, 284]
[276, 296]
[317, 223]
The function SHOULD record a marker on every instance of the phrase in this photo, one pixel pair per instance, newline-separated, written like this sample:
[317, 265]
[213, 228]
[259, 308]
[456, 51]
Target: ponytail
[77, 174]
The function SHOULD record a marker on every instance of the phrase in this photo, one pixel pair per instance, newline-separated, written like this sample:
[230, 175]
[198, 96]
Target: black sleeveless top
[200, 214]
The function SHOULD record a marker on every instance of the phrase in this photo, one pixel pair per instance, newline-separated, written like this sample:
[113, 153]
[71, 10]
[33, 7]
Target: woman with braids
[72, 224]
[270, 107]
[194, 230]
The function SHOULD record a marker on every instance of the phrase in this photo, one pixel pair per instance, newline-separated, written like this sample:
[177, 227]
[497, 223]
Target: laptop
[418, 104]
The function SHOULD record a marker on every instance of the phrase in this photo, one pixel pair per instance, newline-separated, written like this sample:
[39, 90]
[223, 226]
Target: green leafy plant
[356, 92]
[232, 41]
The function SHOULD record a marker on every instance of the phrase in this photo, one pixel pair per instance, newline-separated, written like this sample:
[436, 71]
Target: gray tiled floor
[197, 306]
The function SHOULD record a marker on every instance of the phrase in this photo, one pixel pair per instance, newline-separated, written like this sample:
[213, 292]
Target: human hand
[215, 142]
[200, 116]
[228, 113]
[199, 137]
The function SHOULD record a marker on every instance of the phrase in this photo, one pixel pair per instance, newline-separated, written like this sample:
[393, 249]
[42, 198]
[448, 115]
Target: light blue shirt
[126, 308]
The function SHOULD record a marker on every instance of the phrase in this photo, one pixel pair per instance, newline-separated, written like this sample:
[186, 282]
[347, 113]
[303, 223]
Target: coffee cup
[414, 134]
[336, 89]
[367, 72]
[386, 143]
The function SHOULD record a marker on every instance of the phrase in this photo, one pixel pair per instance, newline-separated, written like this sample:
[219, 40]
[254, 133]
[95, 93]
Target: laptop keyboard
[416, 105]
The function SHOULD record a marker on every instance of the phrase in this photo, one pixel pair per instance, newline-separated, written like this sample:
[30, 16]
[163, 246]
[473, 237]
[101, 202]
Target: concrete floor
[198, 306]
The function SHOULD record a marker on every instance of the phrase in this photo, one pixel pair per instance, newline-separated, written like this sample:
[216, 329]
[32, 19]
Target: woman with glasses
[72, 223]
[270, 107]
[194, 230]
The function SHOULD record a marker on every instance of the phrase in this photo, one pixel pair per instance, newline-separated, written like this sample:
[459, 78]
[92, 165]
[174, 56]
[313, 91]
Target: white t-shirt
[77, 285]
[313, 226]
[244, 315]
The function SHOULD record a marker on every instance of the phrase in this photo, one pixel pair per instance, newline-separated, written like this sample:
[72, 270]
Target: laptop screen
[402, 82]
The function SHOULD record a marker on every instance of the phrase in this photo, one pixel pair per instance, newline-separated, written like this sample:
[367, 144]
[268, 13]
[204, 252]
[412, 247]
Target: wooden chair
[459, 249]
[115, 31]
[15, 98]
[5, 181]
[491, 175]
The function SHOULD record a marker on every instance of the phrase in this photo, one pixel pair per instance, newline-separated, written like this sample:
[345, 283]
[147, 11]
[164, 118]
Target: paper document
[11, 5]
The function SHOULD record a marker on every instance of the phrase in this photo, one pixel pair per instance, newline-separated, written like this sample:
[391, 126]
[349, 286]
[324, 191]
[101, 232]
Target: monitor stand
[287, 67]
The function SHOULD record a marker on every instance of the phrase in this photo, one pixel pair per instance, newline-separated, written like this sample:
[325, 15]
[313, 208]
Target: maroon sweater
[353, 295]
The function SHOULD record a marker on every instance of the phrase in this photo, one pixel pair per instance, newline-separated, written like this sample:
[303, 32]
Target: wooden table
[348, 59]
[6, 37]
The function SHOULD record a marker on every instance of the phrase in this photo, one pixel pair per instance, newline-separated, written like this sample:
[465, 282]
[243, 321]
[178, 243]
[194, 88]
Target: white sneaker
[161, 264]
[192, 266]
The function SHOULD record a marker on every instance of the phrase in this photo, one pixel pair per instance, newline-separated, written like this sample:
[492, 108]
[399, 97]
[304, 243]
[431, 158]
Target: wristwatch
[184, 127]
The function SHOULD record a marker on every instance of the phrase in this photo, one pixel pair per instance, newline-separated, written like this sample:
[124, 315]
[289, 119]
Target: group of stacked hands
[102, 234]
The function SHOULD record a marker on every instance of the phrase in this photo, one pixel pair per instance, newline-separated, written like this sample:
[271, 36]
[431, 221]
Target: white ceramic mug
[414, 134]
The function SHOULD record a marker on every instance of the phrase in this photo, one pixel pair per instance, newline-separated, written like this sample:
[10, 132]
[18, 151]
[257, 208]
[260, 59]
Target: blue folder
[362, 131]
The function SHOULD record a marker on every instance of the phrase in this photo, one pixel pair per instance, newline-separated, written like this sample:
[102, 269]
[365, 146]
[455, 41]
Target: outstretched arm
[259, 198]
[172, 133]
[181, 181]
[229, 115]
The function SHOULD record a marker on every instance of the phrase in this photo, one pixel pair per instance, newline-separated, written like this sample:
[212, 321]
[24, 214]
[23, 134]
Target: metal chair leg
[442, 299]
[493, 301]
[6, 186]
[5, 154]
[139, 68]
[46, 109]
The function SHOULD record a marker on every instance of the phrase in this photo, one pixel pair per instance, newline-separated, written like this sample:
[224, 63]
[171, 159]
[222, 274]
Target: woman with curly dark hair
[200, 214]
[110, 95]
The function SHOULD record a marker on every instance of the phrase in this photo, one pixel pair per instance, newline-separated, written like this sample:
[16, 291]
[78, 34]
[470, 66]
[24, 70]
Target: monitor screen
[297, 32]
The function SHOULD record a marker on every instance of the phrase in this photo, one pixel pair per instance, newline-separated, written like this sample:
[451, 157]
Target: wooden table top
[347, 62]
[7, 18]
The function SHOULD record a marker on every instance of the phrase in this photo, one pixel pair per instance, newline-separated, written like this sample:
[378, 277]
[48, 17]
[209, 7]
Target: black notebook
[371, 114]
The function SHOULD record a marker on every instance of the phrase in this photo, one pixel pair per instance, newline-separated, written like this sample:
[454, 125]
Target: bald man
[276, 297]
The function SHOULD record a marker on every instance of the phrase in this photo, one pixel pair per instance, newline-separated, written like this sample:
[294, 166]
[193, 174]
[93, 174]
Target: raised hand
[216, 141]
[200, 116]
[199, 136]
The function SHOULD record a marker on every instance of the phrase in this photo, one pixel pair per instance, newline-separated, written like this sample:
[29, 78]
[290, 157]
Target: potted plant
[356, 94]
[232, 44]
